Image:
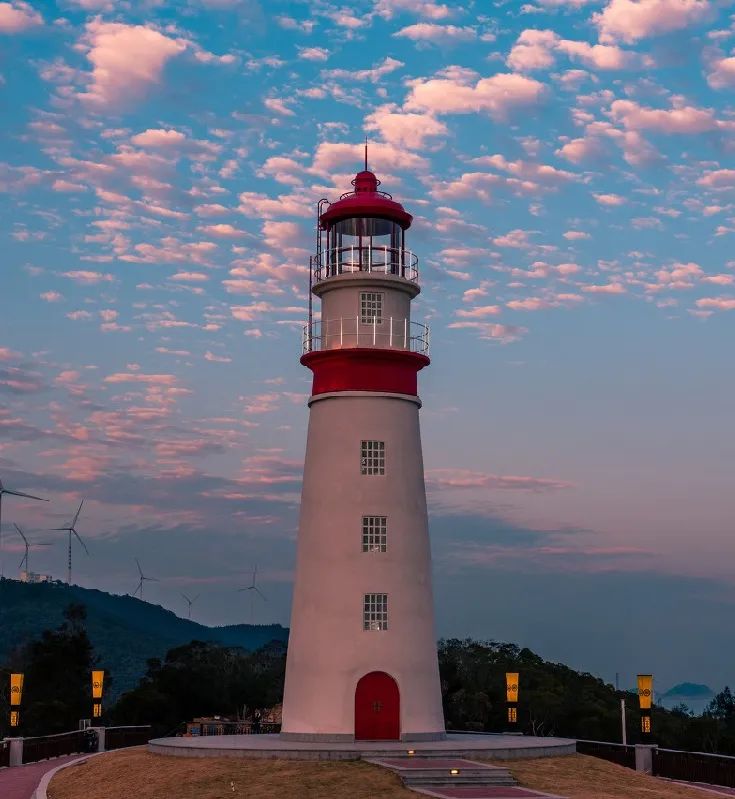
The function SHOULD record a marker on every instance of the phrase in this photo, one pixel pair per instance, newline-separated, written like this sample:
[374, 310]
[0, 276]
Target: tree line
[206, 679]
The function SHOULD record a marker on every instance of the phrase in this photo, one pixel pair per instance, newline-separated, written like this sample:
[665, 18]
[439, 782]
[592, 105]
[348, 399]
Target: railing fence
[615, 753]
[43, 747]
[694, 767]
[122, 737]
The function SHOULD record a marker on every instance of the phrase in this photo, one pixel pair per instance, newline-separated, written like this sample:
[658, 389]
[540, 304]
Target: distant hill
[124, 630]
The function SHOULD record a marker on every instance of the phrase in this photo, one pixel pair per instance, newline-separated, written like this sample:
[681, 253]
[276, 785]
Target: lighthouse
[362, 656]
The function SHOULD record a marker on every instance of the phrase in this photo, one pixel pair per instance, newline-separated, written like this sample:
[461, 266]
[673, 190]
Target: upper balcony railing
[380, 260]
[351, 332]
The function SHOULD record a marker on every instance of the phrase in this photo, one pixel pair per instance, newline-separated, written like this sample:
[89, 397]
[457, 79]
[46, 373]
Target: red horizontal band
[365, 369]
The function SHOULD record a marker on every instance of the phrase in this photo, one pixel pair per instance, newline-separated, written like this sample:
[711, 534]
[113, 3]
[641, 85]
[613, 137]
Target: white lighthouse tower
[362, 658]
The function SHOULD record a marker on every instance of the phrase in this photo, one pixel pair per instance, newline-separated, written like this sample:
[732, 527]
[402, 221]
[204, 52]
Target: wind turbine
[27, 546]
[143, 578]
[191, 601]
[10, 493]
[72, 529]
[255, 590]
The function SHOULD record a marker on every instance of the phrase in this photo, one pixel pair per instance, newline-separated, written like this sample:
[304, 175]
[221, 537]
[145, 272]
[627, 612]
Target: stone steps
[449, 777]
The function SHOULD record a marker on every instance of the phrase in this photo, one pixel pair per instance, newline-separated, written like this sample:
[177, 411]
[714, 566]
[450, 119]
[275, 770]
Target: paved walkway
[20, 782]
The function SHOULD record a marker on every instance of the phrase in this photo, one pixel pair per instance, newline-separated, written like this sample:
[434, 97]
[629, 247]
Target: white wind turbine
[27, 546]
[3, 492]
[71, 528]
[253, 589]
[143, 578]
[190, 601]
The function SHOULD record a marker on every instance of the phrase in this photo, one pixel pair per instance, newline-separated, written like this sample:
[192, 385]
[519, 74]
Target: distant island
[689, 690]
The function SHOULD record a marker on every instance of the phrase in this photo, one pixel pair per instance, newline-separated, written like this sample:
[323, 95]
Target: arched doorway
[377, 708]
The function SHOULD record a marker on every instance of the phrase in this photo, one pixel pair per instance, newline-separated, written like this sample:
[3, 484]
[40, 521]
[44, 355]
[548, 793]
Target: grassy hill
[124, 630]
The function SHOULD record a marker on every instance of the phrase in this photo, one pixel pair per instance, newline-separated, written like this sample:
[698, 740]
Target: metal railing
[4, 754]
[63, 743]
[621, 754]
[121, 737]
[350, 332]
[232, 728]
[694, 767]
[380, 260]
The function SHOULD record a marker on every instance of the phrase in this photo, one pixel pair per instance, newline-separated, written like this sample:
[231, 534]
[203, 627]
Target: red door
[377, 708]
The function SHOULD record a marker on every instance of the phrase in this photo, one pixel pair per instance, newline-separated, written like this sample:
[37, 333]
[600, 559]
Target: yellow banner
[98, 680]
[511, 686]
[96, 710]
[16, 688]
[645, 691]
[14, 718]
[512, 715]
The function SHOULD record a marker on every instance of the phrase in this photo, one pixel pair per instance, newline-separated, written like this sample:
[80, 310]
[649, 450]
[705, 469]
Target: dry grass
[137, 774]
[583, 777]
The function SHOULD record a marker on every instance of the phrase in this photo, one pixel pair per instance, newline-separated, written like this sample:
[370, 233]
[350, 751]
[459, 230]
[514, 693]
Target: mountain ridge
[124, 630]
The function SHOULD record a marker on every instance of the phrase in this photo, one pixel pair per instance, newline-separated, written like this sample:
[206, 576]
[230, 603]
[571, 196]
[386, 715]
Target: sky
[569, 165]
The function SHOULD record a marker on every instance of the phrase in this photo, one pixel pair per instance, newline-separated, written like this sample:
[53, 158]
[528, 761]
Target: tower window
[371, 307]
[374, 534]
[372, 457]
[375, 612]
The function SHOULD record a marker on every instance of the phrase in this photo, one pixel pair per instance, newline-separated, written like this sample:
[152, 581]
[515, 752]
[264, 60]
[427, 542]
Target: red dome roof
[365, 200]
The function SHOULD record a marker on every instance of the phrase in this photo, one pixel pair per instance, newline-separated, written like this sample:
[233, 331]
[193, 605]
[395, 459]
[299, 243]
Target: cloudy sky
[569, 165]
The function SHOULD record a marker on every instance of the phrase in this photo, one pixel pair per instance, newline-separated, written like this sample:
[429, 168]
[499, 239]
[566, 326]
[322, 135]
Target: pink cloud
[373, 75]
[536, 49]
[721, 73]
[18, 16]
[609, 199]
[479, 312]
[497, 95]
[223, 230]
[631, 20]
[430, 32]
[718, 179]
[139, 377]
[506, 334]
[422, 8]
[7, 354]
[190, 277]
[126, 60]
[384, 157]
[209, 356]
[514, 238]
[608, 288]
[51, 296]
[717, 303]
[464, 478]
[685, 119]
[88, 278]
[404, 129]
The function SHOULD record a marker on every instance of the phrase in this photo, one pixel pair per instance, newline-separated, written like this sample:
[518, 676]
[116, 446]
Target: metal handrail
[383, 194]
[351, 332]
[380, 260]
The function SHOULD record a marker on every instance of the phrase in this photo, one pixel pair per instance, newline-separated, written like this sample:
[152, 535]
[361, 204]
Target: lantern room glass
[369, 244]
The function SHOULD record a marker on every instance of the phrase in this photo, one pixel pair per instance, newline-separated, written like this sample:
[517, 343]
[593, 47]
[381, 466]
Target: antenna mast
[366, 143]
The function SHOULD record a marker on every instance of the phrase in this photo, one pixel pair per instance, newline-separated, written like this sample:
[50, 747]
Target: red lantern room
[365, 278]
[365, 230]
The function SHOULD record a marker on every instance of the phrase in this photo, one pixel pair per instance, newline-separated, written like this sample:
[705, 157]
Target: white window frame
[371, 307]
[375, 612]
[374, 533]
[372, 457]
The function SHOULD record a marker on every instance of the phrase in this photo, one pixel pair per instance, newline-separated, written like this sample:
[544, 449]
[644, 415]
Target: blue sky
[569, 167]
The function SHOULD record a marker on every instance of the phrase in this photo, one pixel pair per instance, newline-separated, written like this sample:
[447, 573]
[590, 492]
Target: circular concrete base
[274, 747]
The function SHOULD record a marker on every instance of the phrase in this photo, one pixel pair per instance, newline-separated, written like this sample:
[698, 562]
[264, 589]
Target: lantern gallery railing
[381, 260]
[350, 332]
